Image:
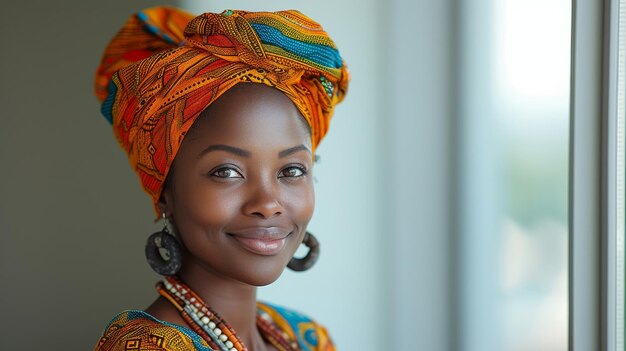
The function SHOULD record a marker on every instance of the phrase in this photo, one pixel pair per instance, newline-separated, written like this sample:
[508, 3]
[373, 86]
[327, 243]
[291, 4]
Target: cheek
[199, 206]
[302, 204]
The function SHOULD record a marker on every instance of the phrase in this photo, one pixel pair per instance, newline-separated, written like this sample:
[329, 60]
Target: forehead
[251, 114]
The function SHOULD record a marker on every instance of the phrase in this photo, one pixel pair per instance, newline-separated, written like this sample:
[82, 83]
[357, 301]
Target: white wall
[419, 172]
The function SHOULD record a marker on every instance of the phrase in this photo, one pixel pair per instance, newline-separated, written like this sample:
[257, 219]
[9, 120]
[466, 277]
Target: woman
[228, 167]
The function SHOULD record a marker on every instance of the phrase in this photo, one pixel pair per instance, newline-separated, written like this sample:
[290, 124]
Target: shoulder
[138, 330]
[311, 335]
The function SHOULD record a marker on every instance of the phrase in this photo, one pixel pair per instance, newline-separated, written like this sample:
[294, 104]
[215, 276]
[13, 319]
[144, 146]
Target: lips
[265, 241]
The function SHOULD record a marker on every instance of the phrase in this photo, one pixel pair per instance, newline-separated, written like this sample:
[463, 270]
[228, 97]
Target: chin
[263, 274]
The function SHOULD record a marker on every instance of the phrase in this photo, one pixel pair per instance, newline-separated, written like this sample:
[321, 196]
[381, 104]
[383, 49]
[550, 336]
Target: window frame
[614, 115]
[596, 176]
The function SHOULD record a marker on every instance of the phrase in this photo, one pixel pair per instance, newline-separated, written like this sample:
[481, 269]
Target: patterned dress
[139, 331]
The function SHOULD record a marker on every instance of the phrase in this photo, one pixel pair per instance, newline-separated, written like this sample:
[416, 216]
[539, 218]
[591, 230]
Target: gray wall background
[72, 218]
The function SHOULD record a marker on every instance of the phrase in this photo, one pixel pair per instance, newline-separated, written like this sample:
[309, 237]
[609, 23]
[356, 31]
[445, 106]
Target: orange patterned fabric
[139, 331]
[156, 78]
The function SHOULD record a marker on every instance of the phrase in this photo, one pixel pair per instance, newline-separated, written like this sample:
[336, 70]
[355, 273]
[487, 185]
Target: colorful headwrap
[165, 67]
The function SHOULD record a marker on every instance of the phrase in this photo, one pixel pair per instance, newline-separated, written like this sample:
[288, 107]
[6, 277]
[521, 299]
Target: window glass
[514, 175]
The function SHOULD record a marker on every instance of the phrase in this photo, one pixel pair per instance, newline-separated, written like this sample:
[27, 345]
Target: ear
[166, 202]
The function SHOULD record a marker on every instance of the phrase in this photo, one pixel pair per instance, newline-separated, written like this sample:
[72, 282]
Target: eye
[292, 172]
[226, 172]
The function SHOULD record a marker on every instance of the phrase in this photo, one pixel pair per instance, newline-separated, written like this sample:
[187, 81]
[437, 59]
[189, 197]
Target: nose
[263, 202]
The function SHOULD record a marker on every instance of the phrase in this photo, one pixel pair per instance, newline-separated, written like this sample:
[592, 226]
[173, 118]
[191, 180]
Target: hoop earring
[302, 264]
[163, 251]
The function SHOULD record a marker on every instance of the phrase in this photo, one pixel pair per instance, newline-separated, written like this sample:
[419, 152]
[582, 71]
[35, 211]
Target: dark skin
[240, 195]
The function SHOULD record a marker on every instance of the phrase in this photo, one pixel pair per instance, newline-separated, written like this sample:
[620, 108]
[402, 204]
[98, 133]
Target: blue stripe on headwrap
[154, 30]
[107, 104]
[320, 54]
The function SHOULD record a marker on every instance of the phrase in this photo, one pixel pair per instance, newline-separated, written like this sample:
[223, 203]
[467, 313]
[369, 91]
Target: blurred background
[441, 190]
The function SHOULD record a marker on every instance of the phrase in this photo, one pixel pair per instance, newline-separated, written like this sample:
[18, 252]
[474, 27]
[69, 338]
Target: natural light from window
[515, 284]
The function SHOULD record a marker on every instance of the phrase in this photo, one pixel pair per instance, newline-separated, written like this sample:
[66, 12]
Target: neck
[232, 300]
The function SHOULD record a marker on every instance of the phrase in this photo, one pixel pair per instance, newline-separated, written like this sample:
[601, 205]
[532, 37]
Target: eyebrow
[292, 150]
[245, 153]
[221, 147]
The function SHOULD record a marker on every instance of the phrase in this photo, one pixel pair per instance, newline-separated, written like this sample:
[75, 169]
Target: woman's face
[241, 190]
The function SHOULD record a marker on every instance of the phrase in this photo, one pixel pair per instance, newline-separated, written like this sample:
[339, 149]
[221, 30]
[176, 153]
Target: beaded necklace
[211, 327]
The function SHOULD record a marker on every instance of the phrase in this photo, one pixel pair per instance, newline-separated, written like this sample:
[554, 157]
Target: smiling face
[241, 191]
